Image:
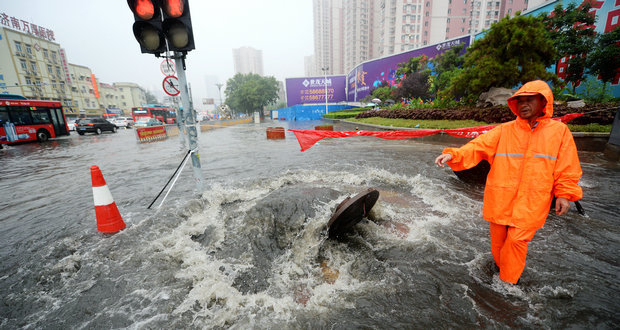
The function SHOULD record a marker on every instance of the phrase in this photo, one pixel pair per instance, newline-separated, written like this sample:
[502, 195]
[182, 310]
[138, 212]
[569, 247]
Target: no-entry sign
[171, 86]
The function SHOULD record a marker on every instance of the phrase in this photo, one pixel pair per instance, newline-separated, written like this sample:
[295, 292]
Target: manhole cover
[351, 211]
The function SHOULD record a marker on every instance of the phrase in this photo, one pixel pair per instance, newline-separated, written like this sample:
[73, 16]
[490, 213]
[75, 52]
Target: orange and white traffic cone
[109, 219]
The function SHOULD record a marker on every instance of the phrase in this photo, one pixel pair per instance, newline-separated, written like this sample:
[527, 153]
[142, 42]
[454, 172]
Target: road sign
[171, 85]
[167, 68]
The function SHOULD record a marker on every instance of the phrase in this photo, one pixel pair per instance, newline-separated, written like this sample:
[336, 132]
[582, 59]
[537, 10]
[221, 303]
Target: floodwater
[252, 250]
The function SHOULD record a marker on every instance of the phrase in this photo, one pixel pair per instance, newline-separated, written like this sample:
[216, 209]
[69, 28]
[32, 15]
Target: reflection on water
[252, 250]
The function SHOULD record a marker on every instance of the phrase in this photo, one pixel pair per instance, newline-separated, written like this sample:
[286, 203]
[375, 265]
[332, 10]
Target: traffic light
[177, 25]
[148, 26]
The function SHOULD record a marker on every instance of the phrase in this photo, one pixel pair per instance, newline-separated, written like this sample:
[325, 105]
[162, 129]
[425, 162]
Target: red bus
[31, 120]
[166, 115]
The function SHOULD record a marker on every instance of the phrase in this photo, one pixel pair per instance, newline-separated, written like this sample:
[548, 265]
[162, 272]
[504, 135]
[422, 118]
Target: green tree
[150, 98]
[446, 67]
[604, 61]
[513, 51]
[572, 32]
[415, 64]
[247, 93]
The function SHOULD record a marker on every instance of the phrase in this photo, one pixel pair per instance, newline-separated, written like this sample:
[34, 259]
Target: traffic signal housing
[177, 25]
[147, 27]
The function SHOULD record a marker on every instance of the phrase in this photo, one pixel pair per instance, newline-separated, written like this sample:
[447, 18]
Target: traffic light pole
[190, 122]
[180, 125]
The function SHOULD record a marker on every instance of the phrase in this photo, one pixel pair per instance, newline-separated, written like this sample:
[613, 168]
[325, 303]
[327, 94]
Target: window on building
[462, 29]
[45, 54]
[18, 46]
[449, 10]
[49, 69]
[447, 30]
[509, 11]
[58, 70]
[54, 55]
[33, 66]
[448, 21]
[37, 82]
[23, 64]
[428, 4]
[28, 81]
[28, 49]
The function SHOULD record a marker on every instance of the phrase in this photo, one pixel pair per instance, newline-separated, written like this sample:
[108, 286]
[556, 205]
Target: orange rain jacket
[528, 165]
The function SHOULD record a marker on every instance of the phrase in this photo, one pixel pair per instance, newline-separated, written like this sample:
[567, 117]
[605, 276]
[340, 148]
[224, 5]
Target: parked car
[145, 122]
[71, 126]
[122, 122]
[94, 125]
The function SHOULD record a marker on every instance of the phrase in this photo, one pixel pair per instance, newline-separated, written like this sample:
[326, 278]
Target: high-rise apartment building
[349, 32]
[328, 37]
[248, 60]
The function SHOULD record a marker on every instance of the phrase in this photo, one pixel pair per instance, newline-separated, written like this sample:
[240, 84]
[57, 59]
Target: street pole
[179, 121]
[325, 83]
[190, 122]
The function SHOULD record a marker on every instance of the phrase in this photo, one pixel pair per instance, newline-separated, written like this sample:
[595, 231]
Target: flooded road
[252, 251]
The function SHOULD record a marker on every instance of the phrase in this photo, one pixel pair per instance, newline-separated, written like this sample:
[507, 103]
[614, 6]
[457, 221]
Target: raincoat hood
[533, 88]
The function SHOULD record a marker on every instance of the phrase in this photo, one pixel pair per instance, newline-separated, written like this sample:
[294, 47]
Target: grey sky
[98, 34]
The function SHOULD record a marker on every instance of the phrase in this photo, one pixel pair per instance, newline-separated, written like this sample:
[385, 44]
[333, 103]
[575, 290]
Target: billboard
[312, 90]
[370, 74]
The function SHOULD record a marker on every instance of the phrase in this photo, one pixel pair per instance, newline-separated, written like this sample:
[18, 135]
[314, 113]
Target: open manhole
[351, 211]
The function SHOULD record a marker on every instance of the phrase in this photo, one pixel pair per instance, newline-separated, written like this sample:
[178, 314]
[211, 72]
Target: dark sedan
[94, 125]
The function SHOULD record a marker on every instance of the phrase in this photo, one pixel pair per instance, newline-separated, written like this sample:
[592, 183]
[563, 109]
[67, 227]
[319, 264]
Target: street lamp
[325, 83]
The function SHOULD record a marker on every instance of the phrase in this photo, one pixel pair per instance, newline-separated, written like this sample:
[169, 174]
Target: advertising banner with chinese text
[371, 74]
[312, 90]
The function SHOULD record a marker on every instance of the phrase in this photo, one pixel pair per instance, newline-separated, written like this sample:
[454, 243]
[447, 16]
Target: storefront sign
[26, 27]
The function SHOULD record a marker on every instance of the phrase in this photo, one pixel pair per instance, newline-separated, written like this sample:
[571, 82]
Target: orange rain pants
[509, 249]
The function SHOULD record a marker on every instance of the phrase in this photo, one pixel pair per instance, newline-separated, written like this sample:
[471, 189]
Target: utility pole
[190, 122]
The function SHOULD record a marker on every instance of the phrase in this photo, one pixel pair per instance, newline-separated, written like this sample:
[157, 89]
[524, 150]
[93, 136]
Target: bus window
[40, 117]
[4, 115]
[21, 117]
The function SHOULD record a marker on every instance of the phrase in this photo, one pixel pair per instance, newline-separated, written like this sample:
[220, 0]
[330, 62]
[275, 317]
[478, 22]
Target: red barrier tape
[307, 138]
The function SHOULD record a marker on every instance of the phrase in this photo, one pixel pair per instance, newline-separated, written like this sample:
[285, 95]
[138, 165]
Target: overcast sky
[98, 34]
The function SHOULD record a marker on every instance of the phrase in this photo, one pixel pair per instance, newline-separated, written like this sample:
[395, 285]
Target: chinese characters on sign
[65, 66]
[26, 27]
[312, 90]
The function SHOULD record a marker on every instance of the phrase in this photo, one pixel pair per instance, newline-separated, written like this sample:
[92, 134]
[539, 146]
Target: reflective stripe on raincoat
[528, 166]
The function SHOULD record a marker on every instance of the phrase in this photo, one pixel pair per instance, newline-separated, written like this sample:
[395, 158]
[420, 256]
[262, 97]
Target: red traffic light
[173, 8]
[144, 9]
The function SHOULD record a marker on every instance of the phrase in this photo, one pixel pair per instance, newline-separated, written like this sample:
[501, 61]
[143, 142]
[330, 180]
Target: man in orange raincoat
[533, 159]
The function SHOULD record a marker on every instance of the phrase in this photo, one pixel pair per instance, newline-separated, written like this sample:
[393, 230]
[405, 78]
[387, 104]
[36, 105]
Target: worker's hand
[442, 159]
[562, 205]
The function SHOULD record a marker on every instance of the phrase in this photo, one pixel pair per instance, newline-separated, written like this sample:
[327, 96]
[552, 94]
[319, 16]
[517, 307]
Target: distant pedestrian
[533, 159]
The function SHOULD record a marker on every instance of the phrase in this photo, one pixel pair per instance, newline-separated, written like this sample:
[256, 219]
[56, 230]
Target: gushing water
[252, 250]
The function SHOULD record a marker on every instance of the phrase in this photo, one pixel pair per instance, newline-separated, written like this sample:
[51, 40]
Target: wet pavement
[252, 250]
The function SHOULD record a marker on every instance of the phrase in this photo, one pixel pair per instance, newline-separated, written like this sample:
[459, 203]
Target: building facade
[130, 95]
[33, 65]
[248, 60]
